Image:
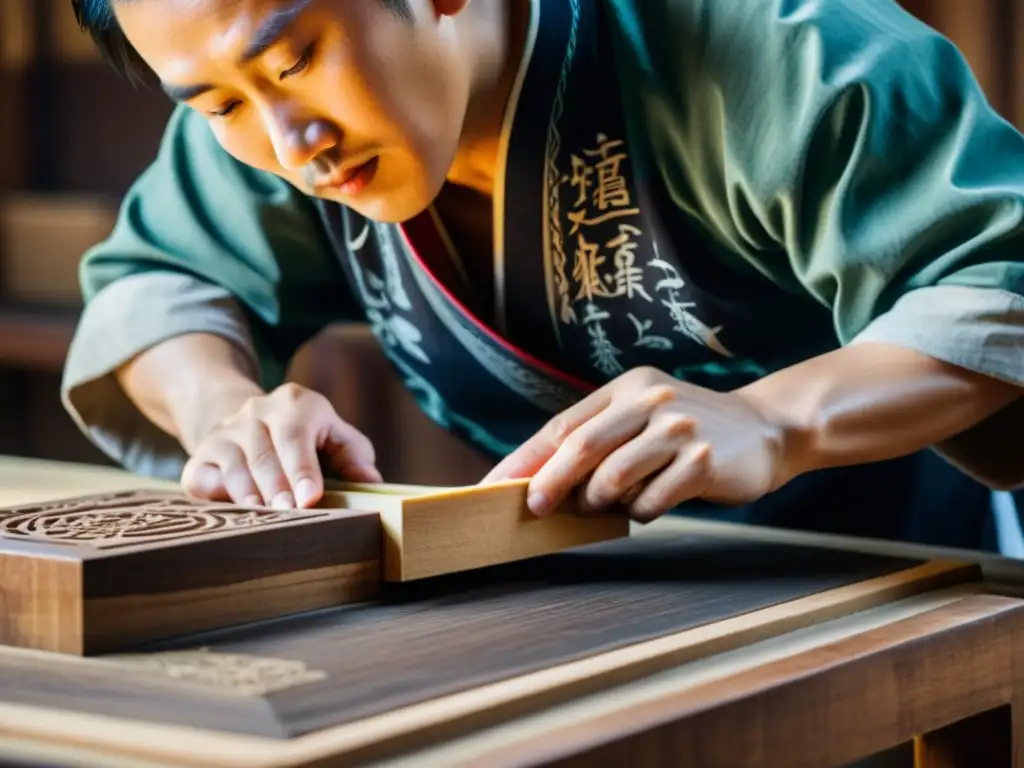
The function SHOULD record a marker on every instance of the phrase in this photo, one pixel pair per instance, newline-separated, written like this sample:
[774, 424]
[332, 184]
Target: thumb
[350, 453]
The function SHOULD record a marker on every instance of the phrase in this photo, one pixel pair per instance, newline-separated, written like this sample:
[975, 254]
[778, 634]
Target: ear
[449, 7]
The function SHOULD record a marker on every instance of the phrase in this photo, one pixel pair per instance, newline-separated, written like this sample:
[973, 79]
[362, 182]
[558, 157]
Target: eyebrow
[185, 92]
[273, 26]
[268, 33]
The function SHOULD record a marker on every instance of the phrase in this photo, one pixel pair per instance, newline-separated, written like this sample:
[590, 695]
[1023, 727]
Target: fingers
[204, 481]
[621, 477]
[351, 453]
[264, 466]
[629, 467]
[532, 455]
[583, 450]
[688, 477]
[630, 496]
[238, 481]
[218, 472]
[268, 454]
[296, 446]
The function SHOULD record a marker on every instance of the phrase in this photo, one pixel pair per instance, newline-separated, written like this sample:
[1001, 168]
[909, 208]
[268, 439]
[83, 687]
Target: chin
[392, 203]
[389, 209]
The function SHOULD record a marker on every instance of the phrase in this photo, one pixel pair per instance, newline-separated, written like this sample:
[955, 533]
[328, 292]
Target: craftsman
[746, 258]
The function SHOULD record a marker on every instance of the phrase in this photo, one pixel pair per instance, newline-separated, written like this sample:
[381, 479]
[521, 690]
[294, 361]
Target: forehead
[175, 35]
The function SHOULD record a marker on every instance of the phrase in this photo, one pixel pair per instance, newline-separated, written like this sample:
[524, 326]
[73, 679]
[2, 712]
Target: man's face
[343, 98]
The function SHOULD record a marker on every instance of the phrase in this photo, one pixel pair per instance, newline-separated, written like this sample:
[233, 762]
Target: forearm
[189, 383]
[871, 402]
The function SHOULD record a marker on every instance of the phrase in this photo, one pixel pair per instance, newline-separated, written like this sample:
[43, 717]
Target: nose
[300, 141]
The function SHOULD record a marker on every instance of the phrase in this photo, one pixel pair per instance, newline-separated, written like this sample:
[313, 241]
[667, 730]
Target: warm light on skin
[332, 85]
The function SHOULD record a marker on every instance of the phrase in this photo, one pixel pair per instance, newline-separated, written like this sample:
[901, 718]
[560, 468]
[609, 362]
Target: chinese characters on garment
[609, 274]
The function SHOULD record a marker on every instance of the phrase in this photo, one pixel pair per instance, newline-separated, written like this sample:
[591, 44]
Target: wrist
[198, 410]
[188, 384]
[793, 434]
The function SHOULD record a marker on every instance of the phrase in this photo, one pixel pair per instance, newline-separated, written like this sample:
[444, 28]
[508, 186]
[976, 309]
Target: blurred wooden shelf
[36, 337]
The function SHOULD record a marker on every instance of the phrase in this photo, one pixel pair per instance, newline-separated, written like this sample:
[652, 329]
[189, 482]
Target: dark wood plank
[160, 689]
[425, 640]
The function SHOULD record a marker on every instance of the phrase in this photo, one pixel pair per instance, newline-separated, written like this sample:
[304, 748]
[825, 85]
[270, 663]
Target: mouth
[352, 180]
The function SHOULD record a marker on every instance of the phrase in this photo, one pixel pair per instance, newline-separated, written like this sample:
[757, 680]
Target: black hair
[96, 17]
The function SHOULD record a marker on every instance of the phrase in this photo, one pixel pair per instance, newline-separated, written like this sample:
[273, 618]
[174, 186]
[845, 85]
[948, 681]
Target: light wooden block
[431, 531]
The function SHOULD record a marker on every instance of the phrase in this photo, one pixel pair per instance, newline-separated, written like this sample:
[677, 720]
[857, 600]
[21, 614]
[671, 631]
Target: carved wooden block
[101, 572]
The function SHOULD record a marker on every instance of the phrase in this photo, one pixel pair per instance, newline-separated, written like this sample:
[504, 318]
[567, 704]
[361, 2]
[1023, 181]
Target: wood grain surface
[25, 481]
[949, 678]
[426, 640]
[240, 696]
[107, 571]
[448, 531]
[433, 531]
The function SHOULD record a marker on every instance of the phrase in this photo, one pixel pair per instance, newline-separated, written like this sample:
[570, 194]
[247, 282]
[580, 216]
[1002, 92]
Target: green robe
[829, 173]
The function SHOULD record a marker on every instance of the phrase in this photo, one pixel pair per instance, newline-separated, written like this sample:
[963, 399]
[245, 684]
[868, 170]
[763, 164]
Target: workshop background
[73, 136]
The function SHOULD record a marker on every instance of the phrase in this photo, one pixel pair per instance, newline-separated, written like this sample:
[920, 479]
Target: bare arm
[189, 383]
[870, 402]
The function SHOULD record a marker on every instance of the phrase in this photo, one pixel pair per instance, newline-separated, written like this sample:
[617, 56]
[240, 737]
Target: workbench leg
[1017, 726]
[985, 739]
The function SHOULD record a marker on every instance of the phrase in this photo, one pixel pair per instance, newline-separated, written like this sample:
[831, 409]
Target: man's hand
[650, 442]
[267, 453]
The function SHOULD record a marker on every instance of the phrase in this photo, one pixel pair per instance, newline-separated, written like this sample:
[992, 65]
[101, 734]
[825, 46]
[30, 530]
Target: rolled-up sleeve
[202, 244]
[846, 150]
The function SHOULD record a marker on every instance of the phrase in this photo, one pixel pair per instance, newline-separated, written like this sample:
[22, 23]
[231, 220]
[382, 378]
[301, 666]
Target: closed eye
[227, 110]
[300, 65]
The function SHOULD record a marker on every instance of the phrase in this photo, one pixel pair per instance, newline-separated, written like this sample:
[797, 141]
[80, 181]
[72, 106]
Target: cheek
[251, 146]
[248, 144]
[418, 91]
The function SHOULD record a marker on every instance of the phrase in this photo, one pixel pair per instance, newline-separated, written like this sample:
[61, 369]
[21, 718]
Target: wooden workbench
[688, 644]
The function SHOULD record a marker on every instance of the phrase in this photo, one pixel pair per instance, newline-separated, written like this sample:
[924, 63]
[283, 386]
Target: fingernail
[252, 501]
[538, 502]
[305, 492]
[283, 500]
